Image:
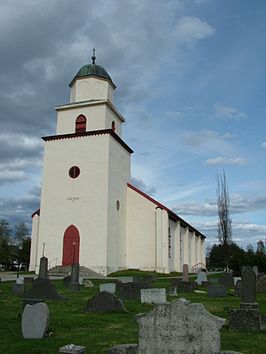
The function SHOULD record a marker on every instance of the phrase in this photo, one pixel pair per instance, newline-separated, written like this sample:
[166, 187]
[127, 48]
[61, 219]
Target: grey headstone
[227, 280]
[35, 320]
[153, 296]
[261, 284]
[256, 270]
[74, 283]
[217, 291]
[18, 289]
[238, 288]
[72, 349]
[124, 349]
[104, 302]
[128, 279]
[244, 319]
[43, 289]
[248, 285]
[20, 280]
[43, 270]
[185, 273]
[109, 287]
[201, 276]
[179, 327]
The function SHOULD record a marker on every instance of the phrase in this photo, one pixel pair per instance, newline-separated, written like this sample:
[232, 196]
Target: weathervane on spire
[93, 56]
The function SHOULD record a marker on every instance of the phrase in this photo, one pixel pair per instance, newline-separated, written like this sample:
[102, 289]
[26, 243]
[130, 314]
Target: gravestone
[43, 289]
[28, 280]
[261, 284]
[248, 285]
[43, 270]
[179, 327]
[18, 289]
[66, 281]
[201, 276]
[236, 279]
[81, 280]
[153, 296]
[227, 280]
[175, 281]
[109, 287]
[20, 280]
[72, 349]
[30, 302]
[185, 273]
[130, 291]
[74, 283]
[217, 291]
[104, 302]
[238, 288]
[35, 320]
[256, 270]
[247, 317]
[128, 279]
[213, 280]
[187, 286]
[172, 291]
[124, 349]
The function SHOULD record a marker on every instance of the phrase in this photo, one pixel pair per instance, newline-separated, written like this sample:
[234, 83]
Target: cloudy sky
[190, 77]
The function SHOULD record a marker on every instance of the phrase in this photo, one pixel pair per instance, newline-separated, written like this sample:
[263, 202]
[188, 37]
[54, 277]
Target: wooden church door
[71, 246]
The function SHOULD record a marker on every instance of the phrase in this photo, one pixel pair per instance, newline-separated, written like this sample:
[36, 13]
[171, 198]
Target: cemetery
[95, 319]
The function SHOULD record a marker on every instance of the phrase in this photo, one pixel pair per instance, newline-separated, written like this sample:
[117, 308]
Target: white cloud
[225, 161]
[189, 29]
[226, 112]
[11, 176]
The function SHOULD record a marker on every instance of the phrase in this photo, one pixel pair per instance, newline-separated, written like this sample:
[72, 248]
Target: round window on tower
[74, 171]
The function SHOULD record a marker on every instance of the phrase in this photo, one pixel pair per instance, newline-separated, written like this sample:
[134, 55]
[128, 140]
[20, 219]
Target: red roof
[36, 212]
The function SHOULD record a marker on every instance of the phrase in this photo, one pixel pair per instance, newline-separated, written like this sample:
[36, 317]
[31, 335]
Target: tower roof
[92, 70]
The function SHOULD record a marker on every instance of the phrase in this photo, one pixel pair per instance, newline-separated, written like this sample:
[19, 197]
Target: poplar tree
[224, 220]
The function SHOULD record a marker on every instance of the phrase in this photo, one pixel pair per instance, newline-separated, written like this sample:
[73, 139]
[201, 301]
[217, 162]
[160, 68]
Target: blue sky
[191, 85]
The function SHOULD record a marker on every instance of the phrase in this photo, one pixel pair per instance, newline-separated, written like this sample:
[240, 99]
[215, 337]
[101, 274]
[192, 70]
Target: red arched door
[71, 246]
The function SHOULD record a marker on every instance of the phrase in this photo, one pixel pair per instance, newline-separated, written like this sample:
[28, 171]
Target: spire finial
[93, 56]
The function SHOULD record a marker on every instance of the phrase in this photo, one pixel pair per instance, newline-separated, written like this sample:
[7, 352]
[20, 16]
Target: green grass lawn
[99, 332]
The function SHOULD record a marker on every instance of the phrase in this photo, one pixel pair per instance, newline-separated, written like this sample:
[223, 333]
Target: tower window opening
[113, 125]
[81, 124]
[169, 244]
[74, 171]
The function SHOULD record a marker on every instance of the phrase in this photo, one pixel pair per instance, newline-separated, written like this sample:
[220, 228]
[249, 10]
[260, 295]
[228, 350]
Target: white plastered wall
[34, 243]
[118, 175]
[81, 201]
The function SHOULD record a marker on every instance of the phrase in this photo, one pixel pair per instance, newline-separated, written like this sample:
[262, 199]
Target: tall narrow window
[80, 124]
[113, 125]
[169, 243]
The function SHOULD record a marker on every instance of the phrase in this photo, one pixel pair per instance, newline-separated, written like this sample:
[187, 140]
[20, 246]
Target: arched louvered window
[81, 124]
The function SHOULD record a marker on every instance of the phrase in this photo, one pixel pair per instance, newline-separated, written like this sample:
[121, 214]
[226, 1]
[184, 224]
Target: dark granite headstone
[186, 286]
[74, 285]
[104, 302]
[43, 270]
[175, 281]
[66, 281]
[43, 289]
[248, 285]
[244, 319]
[227, 280]
[149, 278]
[217, 291]
[28, 280]
[130, 290]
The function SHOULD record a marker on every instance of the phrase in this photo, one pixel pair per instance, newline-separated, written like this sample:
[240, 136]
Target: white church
[89, 212]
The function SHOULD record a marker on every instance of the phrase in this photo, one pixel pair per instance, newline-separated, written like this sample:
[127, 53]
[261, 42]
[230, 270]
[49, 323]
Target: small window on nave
[80, 124]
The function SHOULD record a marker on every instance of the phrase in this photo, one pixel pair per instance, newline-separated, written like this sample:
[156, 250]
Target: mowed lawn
[98, 332]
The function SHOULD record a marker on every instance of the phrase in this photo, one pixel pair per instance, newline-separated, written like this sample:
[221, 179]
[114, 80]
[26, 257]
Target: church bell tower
[82, 217]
